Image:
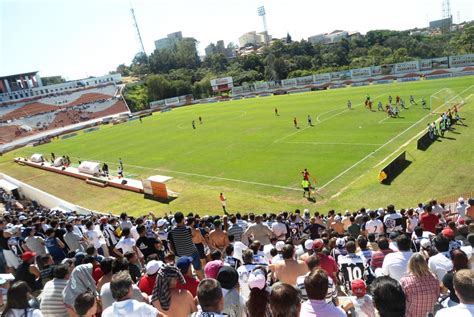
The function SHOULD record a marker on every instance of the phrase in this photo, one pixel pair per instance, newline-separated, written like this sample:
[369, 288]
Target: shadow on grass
[400, 168]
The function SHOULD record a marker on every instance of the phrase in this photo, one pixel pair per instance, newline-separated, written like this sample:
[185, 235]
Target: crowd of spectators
[383, 262]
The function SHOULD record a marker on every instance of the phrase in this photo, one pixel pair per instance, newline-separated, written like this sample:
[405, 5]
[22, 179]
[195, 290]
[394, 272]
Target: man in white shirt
[126, 244]
[374, 225]
[392, 220]
[279, 229]
[121, 287]
[441, 263]
[395, 264]
[464, 287]
[92, 237]
[461, 208]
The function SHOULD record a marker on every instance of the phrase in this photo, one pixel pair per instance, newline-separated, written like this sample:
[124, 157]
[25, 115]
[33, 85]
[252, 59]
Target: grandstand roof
[19, 74]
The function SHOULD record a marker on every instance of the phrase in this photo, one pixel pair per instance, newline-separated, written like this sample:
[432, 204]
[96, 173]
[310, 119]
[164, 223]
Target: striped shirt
[52, 303]
[236, 231]
[330, 295]
[182, 241]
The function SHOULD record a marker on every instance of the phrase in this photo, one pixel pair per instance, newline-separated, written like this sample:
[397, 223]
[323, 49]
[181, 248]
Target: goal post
[445, 98]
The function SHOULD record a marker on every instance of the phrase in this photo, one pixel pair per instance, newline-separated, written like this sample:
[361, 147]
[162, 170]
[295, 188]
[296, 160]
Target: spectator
[441, 263]
[235, 229]
[388, 296]
[55, 246]
[395, 264]
[353, 228]
[147, 281]
[233, 302]
[363, 303]
[72, 239]
[28, 272]
[34, 243]
[428, 220]
[198, 239]
[289, 269]
[191, 283]
[86, 305]
[279, 229]
[258, 231]
[125, 305]
[374, 225]
[125, 244]
[218, 239]
[229, 257]
[316, 284]
[328, 263]
[460, 262]
[212, 268]
[18, 302]
[258, 300]
[352, 266]
[106, 268]
[421, 287]
[133, 266]
[80, 281]
[464, 288]
[284, 301]
[106, 293]
[210, 298]
[314, 229]
[180, 238]
[52, 303]
[167, 298]
[313, 263]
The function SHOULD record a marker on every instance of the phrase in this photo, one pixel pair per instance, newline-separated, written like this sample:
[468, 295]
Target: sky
[80, 38]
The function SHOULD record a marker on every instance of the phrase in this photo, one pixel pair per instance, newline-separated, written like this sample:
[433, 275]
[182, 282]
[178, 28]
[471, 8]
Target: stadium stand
[357, 258]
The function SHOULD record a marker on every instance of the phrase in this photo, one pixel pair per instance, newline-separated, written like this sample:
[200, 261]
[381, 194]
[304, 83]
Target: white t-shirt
[461, 310]
[396, 264]
[130, 308]
[440, 264]
[279, 230]
[126, 244]
[93, 237]
[461, 209]
[413, 223]
[15, 312]
[374, 226]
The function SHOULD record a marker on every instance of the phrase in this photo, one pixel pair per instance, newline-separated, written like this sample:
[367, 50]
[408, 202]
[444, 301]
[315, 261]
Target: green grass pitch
[255, 157]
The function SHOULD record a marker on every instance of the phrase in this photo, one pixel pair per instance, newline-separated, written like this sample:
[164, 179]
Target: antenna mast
[135, 24]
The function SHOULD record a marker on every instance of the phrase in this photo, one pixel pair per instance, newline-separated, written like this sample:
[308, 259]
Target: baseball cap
[308, 244]
[153, 266]
[21, 218]
[184, 262]
[228, 277]
[279, 245]
[340, 243]
[212, 268]
[318, 244]
[338, 218]
[71, 218]
[448, 233]
[103, 219]
[425, 243]
[358, 287]
[28, 255]
[161, 222]
[256, 279]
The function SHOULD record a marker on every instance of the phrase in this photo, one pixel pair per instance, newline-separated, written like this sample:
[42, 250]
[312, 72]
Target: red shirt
[329, 265]
[97, 273]
[429, 222]
[146, 283]
[191, 285]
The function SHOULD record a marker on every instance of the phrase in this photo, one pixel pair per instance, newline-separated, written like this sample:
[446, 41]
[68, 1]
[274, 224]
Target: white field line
[385, 144]
[242, 113]
[398, 122]
[321, 121]
[384, 119]
[191, 174]
[322, 114]
[333, 143]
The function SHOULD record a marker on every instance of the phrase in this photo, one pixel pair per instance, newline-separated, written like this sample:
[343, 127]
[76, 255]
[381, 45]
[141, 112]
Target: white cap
[153, 266]
[21, 218]
[308, 244]
[279, 245]
[256, 280]
[71, 218]
[340, 242]
[461, 199]
[161, 222]
[306, 211]
[425, 243]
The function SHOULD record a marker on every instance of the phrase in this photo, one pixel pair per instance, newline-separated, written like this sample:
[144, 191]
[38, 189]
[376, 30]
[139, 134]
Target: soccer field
[255, 157]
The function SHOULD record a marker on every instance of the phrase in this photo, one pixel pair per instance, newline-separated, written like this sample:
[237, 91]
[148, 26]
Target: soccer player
[397, 99]
[390, 99]
[423, 103]
[367, 97]
[120, 172]
[412, 100]
[310, 121]
[370, 105]
[276, 111]
[396, 111]
[200, 120]
[402, 104]
[380, 106]
[120, 163]
[193, 124]
[305, 184]
[305, 174]
[349, 104]
[295, 122]
[140, 118]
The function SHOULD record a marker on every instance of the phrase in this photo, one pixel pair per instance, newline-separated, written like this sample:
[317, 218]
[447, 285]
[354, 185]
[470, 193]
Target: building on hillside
[170, 40]
[442, 23]
[253, 38]
[330, 38]
[220, 48]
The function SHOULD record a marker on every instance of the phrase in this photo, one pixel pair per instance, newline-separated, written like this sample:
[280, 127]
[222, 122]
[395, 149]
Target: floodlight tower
[446, 7]
[261, 12]
[135, 24]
